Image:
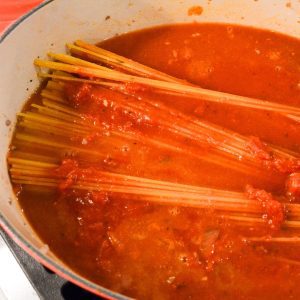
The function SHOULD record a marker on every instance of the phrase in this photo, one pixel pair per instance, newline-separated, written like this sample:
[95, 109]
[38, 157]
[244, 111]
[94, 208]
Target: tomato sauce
[150, 251]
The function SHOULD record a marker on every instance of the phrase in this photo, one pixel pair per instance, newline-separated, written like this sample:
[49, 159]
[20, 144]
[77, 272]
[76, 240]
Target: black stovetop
[47, 284]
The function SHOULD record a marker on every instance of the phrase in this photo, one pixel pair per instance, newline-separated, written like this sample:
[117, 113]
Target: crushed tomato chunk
[293, 185]
[77, 93]
[68, 171]
[272, 208]
[269, 159]
[133, 87]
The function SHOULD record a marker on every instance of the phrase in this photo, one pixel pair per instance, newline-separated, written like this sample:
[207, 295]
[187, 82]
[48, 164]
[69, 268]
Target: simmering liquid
[152, 251]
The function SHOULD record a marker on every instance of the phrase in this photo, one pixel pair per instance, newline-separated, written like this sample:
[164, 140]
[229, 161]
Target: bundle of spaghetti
[235, 206]
[116, 68]
[222, 142]
[51, 129]
[55, 127]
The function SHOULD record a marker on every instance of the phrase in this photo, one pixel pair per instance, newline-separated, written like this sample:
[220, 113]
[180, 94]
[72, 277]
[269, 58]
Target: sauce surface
[152, 251]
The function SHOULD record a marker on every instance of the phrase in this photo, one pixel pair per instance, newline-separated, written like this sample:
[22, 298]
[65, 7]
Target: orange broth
[152, 251]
